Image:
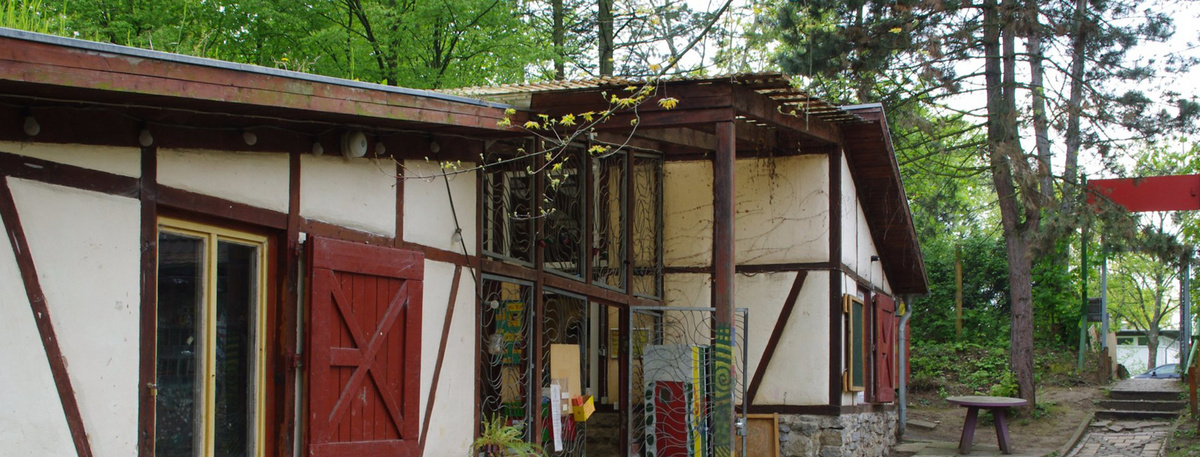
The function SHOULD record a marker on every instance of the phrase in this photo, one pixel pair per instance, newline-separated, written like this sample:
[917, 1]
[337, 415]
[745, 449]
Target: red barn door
[364, 349]
[885, 349]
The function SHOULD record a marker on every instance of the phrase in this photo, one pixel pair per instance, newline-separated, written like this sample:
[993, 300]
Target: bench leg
[1002, 431]
[964, 444]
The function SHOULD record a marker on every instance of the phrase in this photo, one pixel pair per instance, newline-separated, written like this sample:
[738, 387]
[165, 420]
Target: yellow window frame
[212, 235]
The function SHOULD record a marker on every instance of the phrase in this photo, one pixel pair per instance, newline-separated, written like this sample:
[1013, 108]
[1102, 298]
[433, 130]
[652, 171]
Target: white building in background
[1132, 350]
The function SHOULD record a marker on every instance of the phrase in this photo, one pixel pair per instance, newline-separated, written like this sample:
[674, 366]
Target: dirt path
[1067, 408]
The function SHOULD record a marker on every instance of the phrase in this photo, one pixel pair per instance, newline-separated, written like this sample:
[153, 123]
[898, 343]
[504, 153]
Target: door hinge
[295, 362]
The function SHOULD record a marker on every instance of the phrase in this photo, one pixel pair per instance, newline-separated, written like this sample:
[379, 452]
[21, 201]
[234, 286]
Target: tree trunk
[605, 22]
[559, 37]
[1073, 138]
[1041, 126]
[1152, 348]
[1016, 215]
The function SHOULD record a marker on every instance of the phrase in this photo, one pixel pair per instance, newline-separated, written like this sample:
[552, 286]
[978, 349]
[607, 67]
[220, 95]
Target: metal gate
[682, 369]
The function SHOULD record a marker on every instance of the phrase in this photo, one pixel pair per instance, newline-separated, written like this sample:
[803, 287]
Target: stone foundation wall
[849, 435]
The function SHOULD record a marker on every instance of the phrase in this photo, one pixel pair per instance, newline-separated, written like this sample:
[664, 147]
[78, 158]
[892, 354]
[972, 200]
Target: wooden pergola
[752, 115]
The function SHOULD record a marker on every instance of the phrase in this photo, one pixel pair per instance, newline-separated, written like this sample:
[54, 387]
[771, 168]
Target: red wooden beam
[1155, 193]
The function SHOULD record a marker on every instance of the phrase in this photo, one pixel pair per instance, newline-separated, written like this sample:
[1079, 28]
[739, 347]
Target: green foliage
[29, 15]
[985, 292]
[500, 440]
[421, 44]
[1056, 302]
[969, 366]
[984, 369]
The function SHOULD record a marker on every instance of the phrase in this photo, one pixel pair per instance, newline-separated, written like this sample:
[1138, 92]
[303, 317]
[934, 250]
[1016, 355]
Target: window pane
[237, 295]
[180, 299]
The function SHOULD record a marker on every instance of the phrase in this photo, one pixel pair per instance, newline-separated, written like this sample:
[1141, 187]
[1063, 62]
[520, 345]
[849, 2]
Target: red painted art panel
[1155, 193]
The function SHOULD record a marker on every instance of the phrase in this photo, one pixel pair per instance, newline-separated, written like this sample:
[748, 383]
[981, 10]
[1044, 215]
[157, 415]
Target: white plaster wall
[764, 295]
[427, 216]
[115, 160]
[452, 424]
[849, 217]
[32, 422]
[687, 213]
[800, 374]
[86, 249]
[687, 289]
[781, 206]
[254, 178]
[354, 193]
[782, 209]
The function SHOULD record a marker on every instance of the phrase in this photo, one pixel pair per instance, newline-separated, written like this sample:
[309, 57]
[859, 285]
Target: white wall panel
[86, 247]
[254, 178]
[354, 193]
[427, 216]
[32, 421]
[115, 160]
[452, 424]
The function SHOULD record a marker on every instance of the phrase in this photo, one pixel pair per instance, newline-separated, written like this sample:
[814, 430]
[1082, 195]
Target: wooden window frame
[855, 363]
[212, 234]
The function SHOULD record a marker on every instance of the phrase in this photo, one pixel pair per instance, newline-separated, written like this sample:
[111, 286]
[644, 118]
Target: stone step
[1158, 395]
[1136, 415]
[1143, 405]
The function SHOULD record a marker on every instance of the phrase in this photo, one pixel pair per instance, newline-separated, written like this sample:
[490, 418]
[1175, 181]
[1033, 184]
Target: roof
[776, 86]
[39, 70]
[872, 159]
[772, 115]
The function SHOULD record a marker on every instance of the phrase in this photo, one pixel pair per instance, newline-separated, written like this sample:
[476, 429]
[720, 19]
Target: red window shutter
[364, 349]
[885, 349]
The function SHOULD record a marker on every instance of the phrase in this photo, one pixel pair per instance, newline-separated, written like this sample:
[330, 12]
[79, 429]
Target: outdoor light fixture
[317, 149]
[354, 144]
[31, 126]
[250, 138]
[434, 147]
[145, 138]
[380, 149]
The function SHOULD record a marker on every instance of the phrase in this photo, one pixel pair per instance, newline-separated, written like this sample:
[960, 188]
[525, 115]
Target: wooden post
[958, 292]
[723, 286]
[1192, 392]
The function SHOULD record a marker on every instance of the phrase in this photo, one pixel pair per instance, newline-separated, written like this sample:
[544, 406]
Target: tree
[1141, 295]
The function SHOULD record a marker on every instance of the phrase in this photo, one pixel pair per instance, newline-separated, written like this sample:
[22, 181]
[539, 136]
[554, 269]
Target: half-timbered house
[214, 259]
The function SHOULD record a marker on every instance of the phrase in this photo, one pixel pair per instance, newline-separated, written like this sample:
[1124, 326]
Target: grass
[1185, 441]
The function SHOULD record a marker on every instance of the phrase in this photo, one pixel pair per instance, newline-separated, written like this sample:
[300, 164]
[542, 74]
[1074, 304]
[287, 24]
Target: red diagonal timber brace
[1155, 193]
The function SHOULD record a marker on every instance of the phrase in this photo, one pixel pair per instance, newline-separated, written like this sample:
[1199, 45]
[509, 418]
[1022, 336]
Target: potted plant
[501, 440]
